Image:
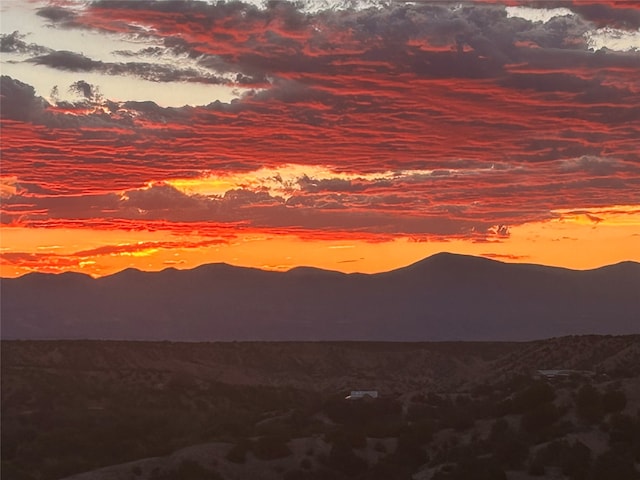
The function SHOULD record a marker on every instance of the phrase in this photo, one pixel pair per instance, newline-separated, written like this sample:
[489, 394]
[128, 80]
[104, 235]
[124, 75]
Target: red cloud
[509, 127]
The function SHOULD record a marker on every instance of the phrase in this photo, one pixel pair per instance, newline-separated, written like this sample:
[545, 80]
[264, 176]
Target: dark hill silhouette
[443, 297]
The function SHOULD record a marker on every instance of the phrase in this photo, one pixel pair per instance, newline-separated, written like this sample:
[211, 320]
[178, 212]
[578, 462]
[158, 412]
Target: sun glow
[281, 180]
[606, 235]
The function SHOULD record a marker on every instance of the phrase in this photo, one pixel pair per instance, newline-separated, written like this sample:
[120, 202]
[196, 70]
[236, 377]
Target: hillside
[272, 410]
[444, 297]
[325, 367]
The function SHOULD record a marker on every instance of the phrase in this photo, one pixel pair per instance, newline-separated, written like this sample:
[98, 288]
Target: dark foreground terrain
[207, 411]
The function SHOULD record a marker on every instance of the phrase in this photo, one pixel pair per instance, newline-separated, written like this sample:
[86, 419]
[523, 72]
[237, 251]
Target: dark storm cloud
[623, 14]
[143, 52]
[482, 40]
[277, 29]
[19, 100]
[614, 15]
[14, 43]
[65, 60]
[161, 73]
[56, 13]
[83, 88]
[272, 42]
[162, 197]
[308, 184]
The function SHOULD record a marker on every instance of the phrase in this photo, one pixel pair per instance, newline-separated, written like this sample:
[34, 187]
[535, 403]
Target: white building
[357, 394]
[564, 373]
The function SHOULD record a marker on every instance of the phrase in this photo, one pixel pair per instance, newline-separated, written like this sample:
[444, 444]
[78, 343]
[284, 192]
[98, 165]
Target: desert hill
[327, 366]
[444, 297]
[315, 366]
[271, 410]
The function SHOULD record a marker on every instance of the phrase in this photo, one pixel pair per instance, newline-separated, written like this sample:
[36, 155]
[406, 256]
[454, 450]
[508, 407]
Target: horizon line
[490, 258]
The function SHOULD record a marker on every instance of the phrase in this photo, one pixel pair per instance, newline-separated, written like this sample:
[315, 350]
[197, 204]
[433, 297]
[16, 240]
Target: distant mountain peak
[312, 271]
[448, 260]
[127, 272]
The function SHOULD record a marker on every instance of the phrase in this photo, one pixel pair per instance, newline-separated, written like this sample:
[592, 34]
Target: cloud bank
[382, 118]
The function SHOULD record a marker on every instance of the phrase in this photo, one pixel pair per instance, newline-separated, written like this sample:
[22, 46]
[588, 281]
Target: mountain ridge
[443, 297]
[430, 260]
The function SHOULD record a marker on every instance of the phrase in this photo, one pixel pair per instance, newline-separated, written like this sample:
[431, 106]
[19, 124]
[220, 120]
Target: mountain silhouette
[443, 297]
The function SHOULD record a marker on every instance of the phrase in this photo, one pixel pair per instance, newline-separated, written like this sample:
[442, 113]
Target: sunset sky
[347, 135]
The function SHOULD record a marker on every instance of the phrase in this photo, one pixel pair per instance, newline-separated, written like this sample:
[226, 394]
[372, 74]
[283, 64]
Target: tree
[614, 465]
[576, 460]
[343, 459]
[238, 453]
[473, 469]
[589, 404]
[539, 418]
[533, 396]
[270, 447]
[613, 401]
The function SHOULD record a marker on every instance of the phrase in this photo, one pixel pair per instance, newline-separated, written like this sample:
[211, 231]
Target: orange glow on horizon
[577, 239]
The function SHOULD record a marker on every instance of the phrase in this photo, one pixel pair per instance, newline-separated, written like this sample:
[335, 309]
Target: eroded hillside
[207, 411]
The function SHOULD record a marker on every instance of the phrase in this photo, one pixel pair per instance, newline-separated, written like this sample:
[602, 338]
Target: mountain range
[443, 297]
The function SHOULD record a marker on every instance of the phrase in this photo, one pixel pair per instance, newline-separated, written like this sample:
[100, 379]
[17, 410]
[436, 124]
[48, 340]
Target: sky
[351, 135]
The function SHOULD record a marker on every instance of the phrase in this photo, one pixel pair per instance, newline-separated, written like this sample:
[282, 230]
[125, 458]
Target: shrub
[238, 453]
[187, 470]
[379, 447]
[574, 459]
[388, 471]
[541, 417]
[473, 469]
[613, 401]
[624, 430]
[613, 465]
[353, 437]
[361, 412]
[297, 475]
[420, 412]
[462, 420]
[532, 397]
[511, 452]
[536, 470]
[343, 459]
[10, 471]
[589, 404]
[499, 429]
[409, 450]
[270, 447]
